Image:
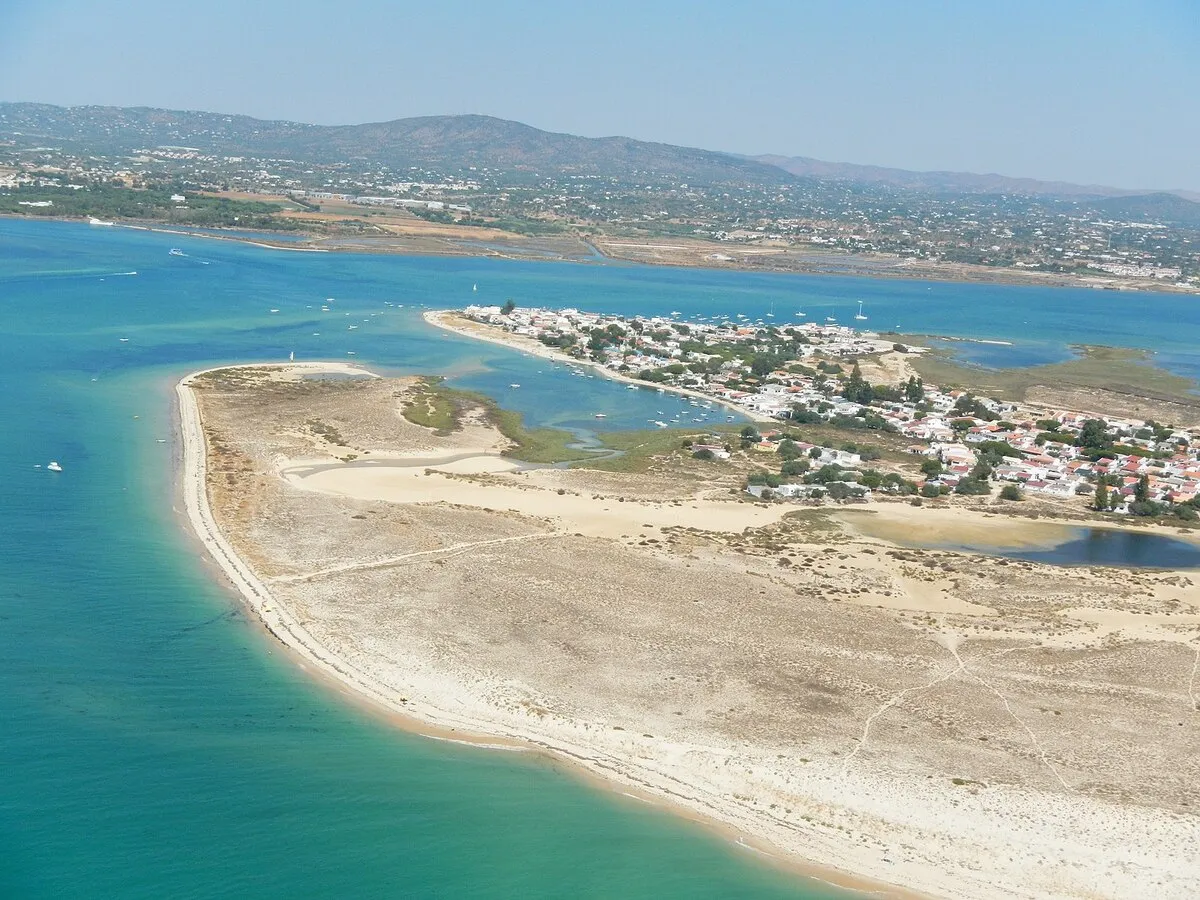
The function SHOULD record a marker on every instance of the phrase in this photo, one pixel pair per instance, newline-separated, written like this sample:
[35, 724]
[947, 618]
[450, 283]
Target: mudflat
[948, 723]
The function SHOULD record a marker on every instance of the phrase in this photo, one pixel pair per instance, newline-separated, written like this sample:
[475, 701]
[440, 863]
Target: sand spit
[959, 725]
[452, 321]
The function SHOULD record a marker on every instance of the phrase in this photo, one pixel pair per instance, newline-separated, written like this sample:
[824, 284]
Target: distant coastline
[593, 251]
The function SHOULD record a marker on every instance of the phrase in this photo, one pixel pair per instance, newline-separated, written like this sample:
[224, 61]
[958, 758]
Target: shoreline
[233, 238]
[898, 832]
[439, 319]
[891, 272]
[610, 772]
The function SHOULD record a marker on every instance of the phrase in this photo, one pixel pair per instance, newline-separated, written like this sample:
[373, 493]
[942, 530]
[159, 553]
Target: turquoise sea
[153, 745]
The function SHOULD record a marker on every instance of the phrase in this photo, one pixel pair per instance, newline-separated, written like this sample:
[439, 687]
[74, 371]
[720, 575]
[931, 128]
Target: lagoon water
[155, 743]
[1112, 547]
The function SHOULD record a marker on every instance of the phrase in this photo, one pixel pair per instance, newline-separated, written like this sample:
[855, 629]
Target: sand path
[496, 484]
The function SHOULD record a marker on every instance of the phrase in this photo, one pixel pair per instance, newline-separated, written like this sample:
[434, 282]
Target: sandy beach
[920, 719]
[434, 715]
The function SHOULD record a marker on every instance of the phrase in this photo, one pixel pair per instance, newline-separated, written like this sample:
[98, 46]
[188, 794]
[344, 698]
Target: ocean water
[153, 743]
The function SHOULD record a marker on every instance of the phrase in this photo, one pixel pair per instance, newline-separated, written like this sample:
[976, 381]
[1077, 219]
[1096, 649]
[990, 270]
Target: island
[888, 716]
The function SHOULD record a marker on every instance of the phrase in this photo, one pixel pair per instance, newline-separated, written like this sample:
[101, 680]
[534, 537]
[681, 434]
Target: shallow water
[1036, 541]
[1017, 355]
[155, 743]
[1112, 547]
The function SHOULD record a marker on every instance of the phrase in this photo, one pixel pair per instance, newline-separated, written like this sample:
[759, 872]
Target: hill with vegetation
[1151, 208]
[447, 143]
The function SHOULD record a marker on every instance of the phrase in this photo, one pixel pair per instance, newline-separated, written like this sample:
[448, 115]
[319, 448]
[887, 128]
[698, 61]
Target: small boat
[514, 385]
[831, 320]
[661, 424]
[474, 288]
[123, 340]
[292, 356]
[351, 353]
[800, 314]
[160, 440]
[860, 315]
[274, 310]
[601, 416]
[94, 221]
[53, 466]
[175, 251]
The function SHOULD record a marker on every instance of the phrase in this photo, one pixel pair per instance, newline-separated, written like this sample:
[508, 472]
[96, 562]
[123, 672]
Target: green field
[149, 204]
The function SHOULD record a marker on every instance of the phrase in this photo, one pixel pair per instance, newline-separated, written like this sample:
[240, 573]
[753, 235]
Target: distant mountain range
[459, 142]
[949, 182]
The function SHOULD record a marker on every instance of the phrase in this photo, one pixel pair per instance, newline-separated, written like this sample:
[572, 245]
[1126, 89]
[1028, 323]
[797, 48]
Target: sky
[1096, 92]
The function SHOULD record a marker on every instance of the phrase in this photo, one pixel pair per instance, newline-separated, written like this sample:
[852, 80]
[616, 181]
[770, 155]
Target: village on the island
[789, 375]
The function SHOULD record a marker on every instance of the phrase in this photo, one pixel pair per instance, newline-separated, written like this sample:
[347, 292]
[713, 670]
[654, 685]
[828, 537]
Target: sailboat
[860, 315]
[771, 314]
[800, 314]
[474, 287]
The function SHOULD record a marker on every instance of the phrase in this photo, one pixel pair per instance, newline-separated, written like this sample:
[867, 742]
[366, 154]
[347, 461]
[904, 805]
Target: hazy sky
[1094, 92]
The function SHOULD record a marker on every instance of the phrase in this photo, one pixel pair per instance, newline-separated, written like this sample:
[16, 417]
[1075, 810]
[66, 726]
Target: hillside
[1157, 207]
[443, 142]
[450, 143]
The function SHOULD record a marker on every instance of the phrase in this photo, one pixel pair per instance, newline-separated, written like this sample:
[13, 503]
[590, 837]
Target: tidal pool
[1028, 539]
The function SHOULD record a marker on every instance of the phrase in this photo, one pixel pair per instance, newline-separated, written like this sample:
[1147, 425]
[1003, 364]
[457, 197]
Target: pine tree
[1101, 501]
[914, 390]
[856, 389]
[1141, 493]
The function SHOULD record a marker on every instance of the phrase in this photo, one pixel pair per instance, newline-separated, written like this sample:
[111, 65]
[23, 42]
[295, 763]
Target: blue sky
[1093, 92]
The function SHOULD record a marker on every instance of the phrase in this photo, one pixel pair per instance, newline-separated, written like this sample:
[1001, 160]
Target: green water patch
[1118, 370]
[636, 449]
